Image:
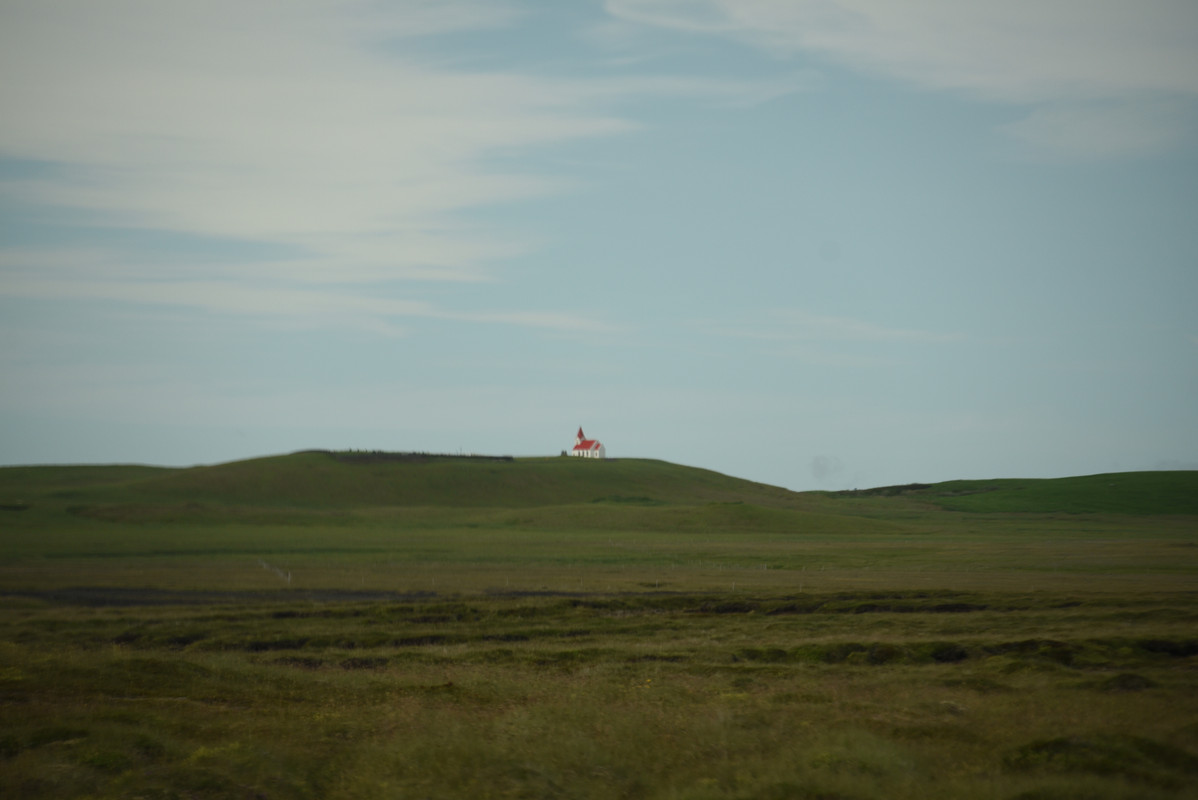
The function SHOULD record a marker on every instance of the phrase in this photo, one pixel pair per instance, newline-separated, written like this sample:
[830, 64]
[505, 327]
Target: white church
[587, 448]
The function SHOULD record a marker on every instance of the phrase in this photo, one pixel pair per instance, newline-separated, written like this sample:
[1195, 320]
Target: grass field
[357, 626]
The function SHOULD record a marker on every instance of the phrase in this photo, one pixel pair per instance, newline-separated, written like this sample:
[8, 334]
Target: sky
[821, 244]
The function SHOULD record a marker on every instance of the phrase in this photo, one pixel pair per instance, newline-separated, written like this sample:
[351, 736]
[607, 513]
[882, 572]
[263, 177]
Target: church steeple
[588, 448]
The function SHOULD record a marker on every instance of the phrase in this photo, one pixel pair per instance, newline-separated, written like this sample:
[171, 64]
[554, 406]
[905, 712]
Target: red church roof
[584, 443]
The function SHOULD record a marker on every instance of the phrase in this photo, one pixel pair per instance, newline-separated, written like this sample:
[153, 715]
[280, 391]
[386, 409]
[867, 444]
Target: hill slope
[1112, 493]
[323, 480]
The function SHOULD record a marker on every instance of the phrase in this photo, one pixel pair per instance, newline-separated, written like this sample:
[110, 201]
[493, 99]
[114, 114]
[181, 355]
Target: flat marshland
[368, 626]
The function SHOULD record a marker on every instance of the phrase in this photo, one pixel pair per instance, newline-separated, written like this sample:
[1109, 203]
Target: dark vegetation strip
[1102, 655]
[347, 620]
[377, 456]
[105, 596]
[654, 601]
[1096, 653]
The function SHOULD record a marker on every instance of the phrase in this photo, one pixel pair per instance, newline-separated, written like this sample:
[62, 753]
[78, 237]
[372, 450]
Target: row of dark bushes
[375, 456]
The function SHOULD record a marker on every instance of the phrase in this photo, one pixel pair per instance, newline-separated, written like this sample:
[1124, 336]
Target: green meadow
[368, 625]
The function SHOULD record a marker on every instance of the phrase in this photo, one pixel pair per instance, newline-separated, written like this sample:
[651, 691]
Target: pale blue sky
[815, 243]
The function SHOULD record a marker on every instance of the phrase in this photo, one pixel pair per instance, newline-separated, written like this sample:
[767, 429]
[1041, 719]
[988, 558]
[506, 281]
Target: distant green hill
[613, 490]
[1113, 493]
[323, 480]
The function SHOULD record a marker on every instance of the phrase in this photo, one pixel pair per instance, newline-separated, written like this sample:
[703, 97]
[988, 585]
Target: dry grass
[818, 647]
[907, 694]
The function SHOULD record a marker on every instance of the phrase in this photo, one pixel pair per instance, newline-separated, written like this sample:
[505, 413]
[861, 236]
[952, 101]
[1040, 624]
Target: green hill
[1173, 492]
[338, 498]
[612, 490]
[323, 480]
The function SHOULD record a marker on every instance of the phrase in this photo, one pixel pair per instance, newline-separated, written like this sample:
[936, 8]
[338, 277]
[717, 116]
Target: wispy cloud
[309, 128]
[797, 325]
[296, 305]
[1107, 61]
[839, 341]
[286, 126]
[1102, 130]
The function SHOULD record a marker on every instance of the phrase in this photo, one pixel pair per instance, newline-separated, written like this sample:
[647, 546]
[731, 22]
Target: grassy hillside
[616, 493]
[17, 483]
[1113, 493]
[321, 480]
